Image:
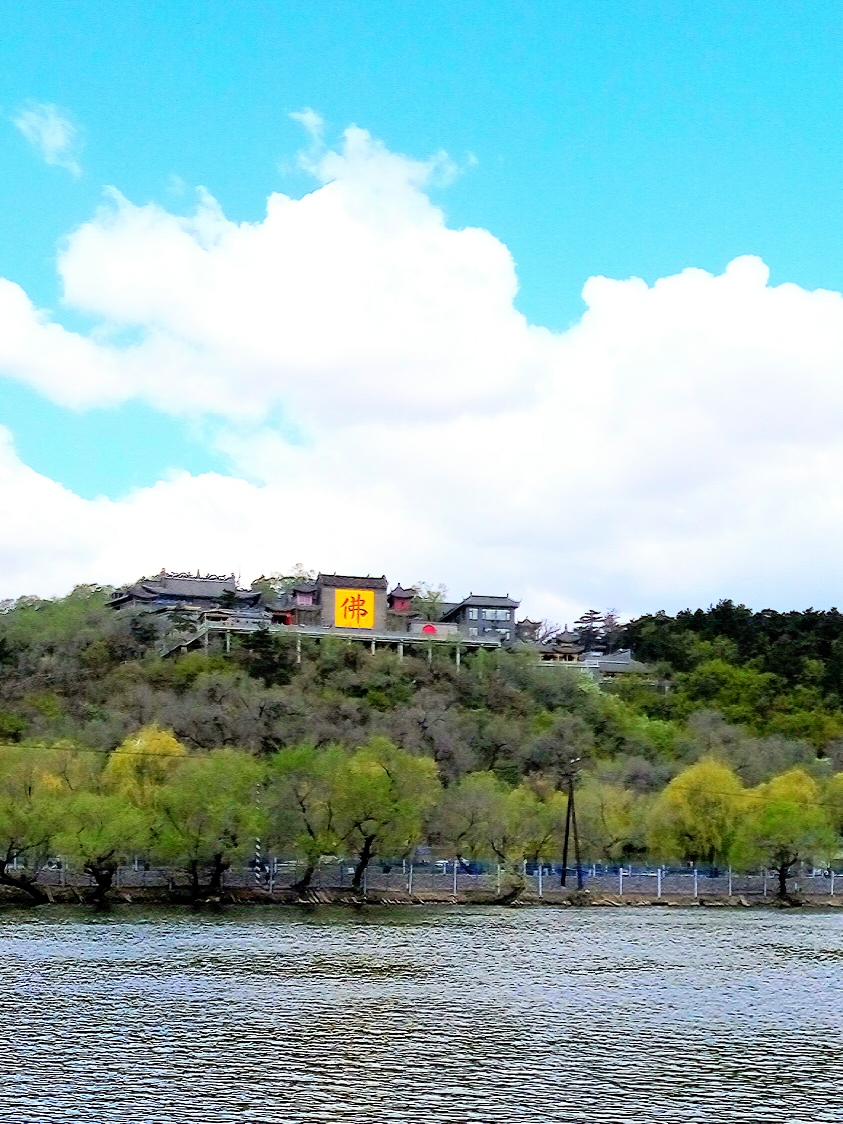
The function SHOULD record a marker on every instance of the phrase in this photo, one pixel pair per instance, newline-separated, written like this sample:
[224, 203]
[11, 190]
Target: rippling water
[421, 1015]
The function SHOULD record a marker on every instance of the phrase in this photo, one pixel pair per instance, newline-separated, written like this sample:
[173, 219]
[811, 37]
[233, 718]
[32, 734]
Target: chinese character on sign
[354, 608]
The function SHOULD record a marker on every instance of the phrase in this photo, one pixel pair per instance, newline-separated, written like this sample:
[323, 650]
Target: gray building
[480, 615]
[190, 593]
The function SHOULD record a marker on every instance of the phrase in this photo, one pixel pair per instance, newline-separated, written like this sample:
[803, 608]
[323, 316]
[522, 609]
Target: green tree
[381, 797]
[28, 816]
[299, 803]
[464, 814]
[540, 817]
[500, 828]
[611, 820]
[208, 812]
[697, 816]
[785, 823]
[144, 762]
[429, 600]
[833, 803]
[742, 694]
[99, 830]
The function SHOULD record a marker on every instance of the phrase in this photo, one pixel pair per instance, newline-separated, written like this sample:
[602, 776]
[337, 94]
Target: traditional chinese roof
[345, 581]
[172, 588]
[304, 587]
[480, 601]
[399, 591]
[616, 663]
[447, 607]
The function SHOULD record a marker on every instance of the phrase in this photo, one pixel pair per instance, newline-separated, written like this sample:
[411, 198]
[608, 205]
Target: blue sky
[619, 139]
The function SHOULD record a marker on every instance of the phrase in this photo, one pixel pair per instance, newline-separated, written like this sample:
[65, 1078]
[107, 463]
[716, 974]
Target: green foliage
[611, 821]
[301, 786]
[785, 822]
[471, 816]
[268, 657]
[143, 763]
[742, 694]
[32, 620]
[11, 727]
[29, 810]
[697, 815]
[98, 831]
[381, 795]
[363, 755]
[183, 672]
[208, 813]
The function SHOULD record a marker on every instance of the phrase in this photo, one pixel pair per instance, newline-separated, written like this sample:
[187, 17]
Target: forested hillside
[742, 712]
[772, 673]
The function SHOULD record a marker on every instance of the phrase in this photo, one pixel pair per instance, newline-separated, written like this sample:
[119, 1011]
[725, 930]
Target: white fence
[448, 877]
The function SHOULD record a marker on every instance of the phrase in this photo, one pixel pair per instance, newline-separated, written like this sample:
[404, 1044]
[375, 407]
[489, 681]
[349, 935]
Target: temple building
[191, 593]
[193, 607]
[481, 615]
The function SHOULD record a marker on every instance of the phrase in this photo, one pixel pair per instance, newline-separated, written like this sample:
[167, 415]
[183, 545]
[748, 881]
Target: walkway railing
[447, 878]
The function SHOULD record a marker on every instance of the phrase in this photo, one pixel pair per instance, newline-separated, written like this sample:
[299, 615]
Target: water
[421, 1015]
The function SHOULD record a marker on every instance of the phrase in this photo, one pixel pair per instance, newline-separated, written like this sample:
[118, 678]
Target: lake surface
[421, 1015]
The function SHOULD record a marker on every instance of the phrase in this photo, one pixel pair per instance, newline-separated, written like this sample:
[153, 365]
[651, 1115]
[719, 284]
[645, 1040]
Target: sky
[527, 298]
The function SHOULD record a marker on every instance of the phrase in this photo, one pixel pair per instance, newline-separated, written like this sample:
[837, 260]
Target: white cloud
[681, 443]
[52, 133]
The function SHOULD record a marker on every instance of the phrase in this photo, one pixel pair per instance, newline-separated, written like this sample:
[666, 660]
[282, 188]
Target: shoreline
[384, 899]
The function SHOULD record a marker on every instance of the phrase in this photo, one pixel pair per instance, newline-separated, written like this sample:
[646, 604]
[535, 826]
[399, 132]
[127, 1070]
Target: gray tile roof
[479, 601]
[399, 591]
[183, 587]
[346, 581]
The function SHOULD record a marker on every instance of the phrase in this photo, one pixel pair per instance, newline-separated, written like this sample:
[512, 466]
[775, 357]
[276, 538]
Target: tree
[144, 762]
[697, 816]
[540, 819]
[298, 802]
[611, 820]
[27, 816]
[490, 817]
[742, 694]
[99, 831]
[785, 823]
[268, 657]
[833, 804]
[429, 600]
[277, 584]
[611, 631]
[207, 814]
[464, 813]
[589, 630]
[560, 748]
[381, 796]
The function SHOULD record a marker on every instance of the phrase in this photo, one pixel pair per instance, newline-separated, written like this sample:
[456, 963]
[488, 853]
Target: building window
[472, 614]
[472, 632]
[496, 615]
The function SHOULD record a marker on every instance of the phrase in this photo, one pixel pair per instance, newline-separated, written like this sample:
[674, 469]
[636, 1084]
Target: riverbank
[253, 896]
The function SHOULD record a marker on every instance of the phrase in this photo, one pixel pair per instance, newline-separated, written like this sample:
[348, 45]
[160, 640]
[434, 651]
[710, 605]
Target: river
[421, 1015]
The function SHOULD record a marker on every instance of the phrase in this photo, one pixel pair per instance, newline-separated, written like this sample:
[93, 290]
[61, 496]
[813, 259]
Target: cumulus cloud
[385, 407]
[52, 133]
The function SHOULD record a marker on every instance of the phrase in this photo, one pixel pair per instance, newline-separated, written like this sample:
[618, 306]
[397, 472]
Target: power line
[111, 752]
[207, 752]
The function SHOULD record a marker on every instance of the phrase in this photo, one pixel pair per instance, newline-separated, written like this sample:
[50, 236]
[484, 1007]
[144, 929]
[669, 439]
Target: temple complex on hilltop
[195, 609]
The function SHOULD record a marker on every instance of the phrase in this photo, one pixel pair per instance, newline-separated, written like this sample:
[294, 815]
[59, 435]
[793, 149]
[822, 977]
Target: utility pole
[571, 823]
[572, 806]
[567, 840]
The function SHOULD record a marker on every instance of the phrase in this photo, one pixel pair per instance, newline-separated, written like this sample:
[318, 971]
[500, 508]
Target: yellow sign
[354, 608]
